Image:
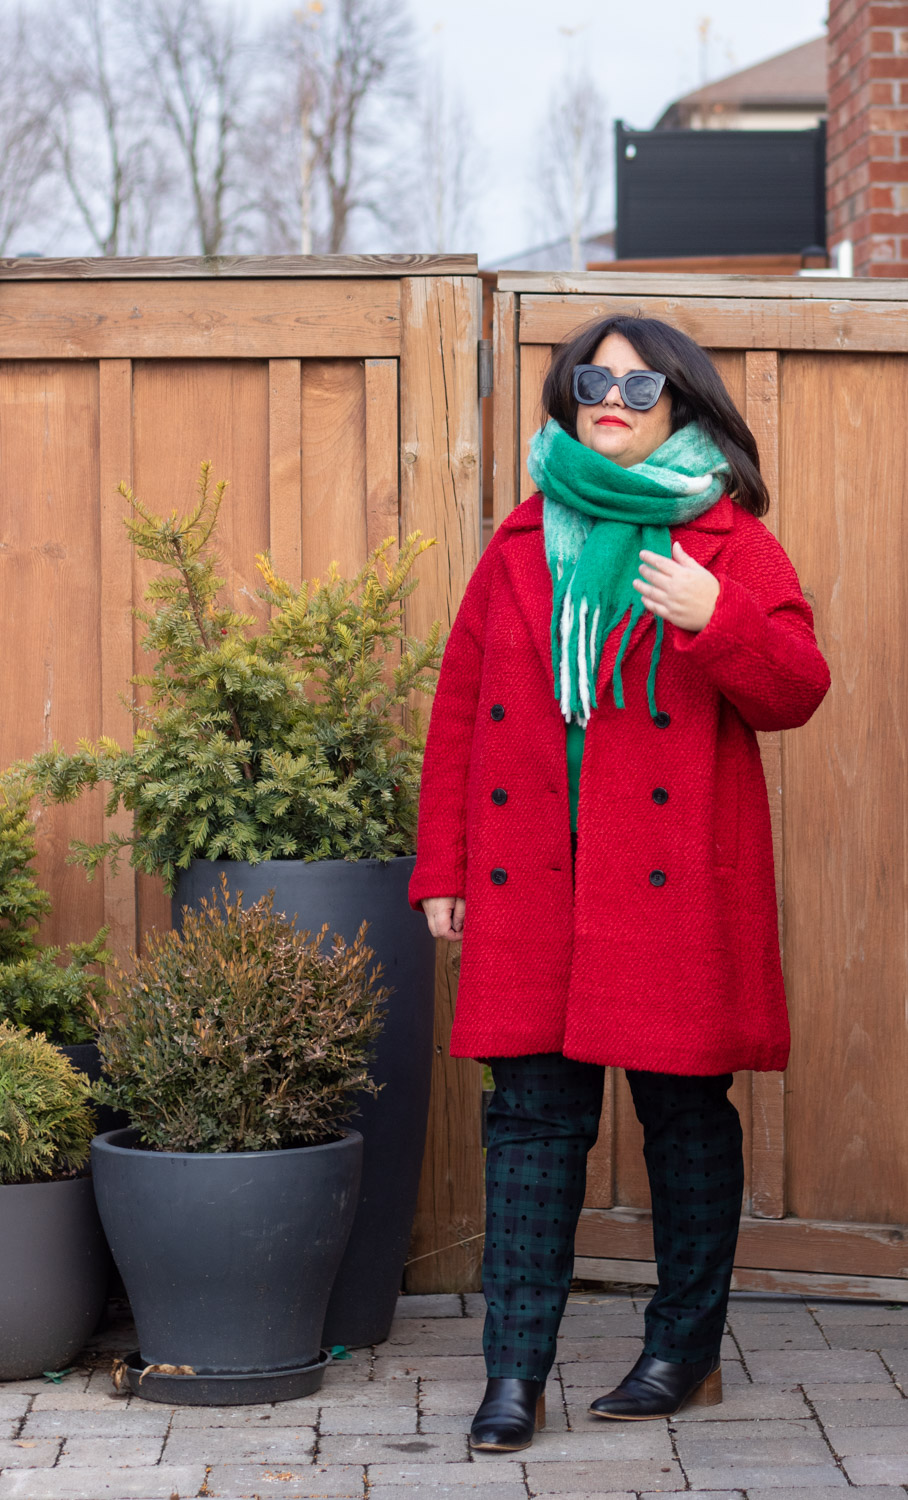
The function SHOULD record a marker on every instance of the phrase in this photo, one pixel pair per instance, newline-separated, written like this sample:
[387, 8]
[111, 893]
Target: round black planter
[55, 1268]
[87, 1059]
[228, 1257]
[344, 893]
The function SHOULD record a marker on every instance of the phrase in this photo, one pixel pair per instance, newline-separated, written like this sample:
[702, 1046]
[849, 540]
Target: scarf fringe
[567, 620]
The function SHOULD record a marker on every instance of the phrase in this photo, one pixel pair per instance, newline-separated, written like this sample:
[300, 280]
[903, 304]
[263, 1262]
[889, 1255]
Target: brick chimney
[867, 141]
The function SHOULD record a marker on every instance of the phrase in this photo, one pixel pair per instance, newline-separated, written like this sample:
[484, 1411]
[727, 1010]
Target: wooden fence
[820, 370]
[340, 399]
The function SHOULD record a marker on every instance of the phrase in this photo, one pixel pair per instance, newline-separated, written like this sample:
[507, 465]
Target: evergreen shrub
[292, 739]
[46, 1116]
[241, 1034]
[37, 991]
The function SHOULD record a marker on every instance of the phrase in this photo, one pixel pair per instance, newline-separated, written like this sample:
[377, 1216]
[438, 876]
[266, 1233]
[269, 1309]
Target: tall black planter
[344, 893]
[86, 1059]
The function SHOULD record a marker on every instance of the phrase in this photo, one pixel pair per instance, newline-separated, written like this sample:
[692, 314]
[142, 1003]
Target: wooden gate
[819, 368]
[339, 396]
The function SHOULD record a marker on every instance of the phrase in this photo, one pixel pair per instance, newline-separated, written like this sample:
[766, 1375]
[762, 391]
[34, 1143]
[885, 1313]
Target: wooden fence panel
[440, 476]
[826, 1197]
[200, 320]
[339, 397]
[50, 583]
[844, 467]
[120, 890]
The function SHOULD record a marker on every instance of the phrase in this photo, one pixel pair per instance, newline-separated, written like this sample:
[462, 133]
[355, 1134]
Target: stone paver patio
[815, 1404]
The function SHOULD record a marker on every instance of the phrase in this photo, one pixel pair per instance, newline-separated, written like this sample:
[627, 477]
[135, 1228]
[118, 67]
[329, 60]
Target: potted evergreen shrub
[286, 755]
[37, 991]
[54, 1263]
[41, 989]
[237, 1047]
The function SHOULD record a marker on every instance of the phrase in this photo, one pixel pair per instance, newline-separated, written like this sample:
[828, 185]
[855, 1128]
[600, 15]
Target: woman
[594, 826]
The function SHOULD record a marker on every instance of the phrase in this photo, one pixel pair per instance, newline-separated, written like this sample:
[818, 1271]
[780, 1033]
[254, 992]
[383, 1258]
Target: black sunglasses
[640, 390]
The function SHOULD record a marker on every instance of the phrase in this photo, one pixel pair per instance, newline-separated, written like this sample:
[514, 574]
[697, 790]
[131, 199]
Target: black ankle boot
[511, 1411]
[659, 1388]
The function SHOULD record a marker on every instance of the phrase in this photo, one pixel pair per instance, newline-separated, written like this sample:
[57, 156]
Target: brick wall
[867, 155]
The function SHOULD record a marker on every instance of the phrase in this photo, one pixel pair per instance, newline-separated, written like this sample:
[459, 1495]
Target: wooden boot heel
[709, 1392]
[540, 1413]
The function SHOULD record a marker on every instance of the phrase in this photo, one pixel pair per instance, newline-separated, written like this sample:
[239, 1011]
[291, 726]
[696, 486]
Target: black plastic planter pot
[228, 1258]
[344, 893]
[54, 1269]
[86, 1058]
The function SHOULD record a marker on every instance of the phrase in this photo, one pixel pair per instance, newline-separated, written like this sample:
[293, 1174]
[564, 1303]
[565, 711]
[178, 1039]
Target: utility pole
[308, 75]
[704, 32]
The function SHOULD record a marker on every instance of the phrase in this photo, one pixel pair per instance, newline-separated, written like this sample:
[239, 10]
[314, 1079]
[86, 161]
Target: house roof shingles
[793, 79]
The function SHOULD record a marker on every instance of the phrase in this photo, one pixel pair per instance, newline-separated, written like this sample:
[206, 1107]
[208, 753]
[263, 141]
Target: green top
[575, 742]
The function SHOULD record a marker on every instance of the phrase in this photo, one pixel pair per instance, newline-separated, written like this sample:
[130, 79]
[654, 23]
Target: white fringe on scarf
[585, 648]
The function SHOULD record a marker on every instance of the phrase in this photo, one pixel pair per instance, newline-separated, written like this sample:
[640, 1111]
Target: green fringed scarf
[596, 518]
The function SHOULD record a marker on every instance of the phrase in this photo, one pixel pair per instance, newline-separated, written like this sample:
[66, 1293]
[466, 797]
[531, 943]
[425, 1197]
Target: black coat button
[662, 720]
[499, 876]
[499, 796]
[497, 711]
[660, 795]
[656, 877]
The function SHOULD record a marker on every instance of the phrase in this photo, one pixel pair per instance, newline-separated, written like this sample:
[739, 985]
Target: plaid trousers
[543, 1119]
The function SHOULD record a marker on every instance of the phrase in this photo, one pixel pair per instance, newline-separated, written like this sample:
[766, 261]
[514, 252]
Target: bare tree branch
[100, 123]
[325, 140]
[200, 57]
[574, 157]
[25, 148]
[448, 177]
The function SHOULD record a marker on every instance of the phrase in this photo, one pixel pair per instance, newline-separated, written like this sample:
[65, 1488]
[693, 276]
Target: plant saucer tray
[231, 1389]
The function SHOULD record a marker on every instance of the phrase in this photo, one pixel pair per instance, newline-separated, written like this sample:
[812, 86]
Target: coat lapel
[530, 579]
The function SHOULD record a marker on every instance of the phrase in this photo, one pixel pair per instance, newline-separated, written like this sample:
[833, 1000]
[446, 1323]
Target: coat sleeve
[759, 648]
[441, 842]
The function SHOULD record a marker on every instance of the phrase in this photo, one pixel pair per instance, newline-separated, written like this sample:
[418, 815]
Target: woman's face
[616, 431]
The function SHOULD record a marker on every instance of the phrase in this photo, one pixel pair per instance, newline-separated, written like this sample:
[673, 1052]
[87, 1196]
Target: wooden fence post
[441, 496]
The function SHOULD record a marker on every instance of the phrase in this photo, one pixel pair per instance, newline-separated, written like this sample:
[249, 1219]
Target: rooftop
[790, 80]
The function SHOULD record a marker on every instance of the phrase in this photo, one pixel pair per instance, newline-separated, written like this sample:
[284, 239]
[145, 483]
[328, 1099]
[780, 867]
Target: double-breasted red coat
[661, 952]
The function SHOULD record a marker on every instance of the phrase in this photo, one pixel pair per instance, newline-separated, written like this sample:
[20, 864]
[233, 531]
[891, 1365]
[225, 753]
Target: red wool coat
[666, 956]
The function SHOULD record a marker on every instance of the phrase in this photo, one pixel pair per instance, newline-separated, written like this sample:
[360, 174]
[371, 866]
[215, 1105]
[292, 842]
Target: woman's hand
[677, 588]
[445, 916]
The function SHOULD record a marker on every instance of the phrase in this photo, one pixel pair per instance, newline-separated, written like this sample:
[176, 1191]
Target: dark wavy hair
[693, 382]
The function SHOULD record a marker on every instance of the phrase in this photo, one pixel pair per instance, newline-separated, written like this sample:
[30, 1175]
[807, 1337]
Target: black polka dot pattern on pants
[543, 1119]
[692, 1142]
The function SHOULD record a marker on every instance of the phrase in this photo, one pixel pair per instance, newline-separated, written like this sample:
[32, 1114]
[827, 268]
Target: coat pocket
[726, 805]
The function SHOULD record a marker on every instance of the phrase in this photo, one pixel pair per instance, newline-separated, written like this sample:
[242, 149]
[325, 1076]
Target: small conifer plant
[37, 991]
[296, 739]
[240, 1033]
[46, 1116]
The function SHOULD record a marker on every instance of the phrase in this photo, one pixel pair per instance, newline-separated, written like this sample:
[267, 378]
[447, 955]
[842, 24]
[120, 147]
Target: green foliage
[241, 1034]
[283, 741]
[23, 904]
[46, 1117]
[37, 991]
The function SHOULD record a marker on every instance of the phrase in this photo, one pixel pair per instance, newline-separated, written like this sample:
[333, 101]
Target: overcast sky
[505, 55]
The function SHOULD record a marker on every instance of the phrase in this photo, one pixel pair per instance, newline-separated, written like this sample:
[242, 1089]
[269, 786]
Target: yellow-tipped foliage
[292, 739]
[46, 1117]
